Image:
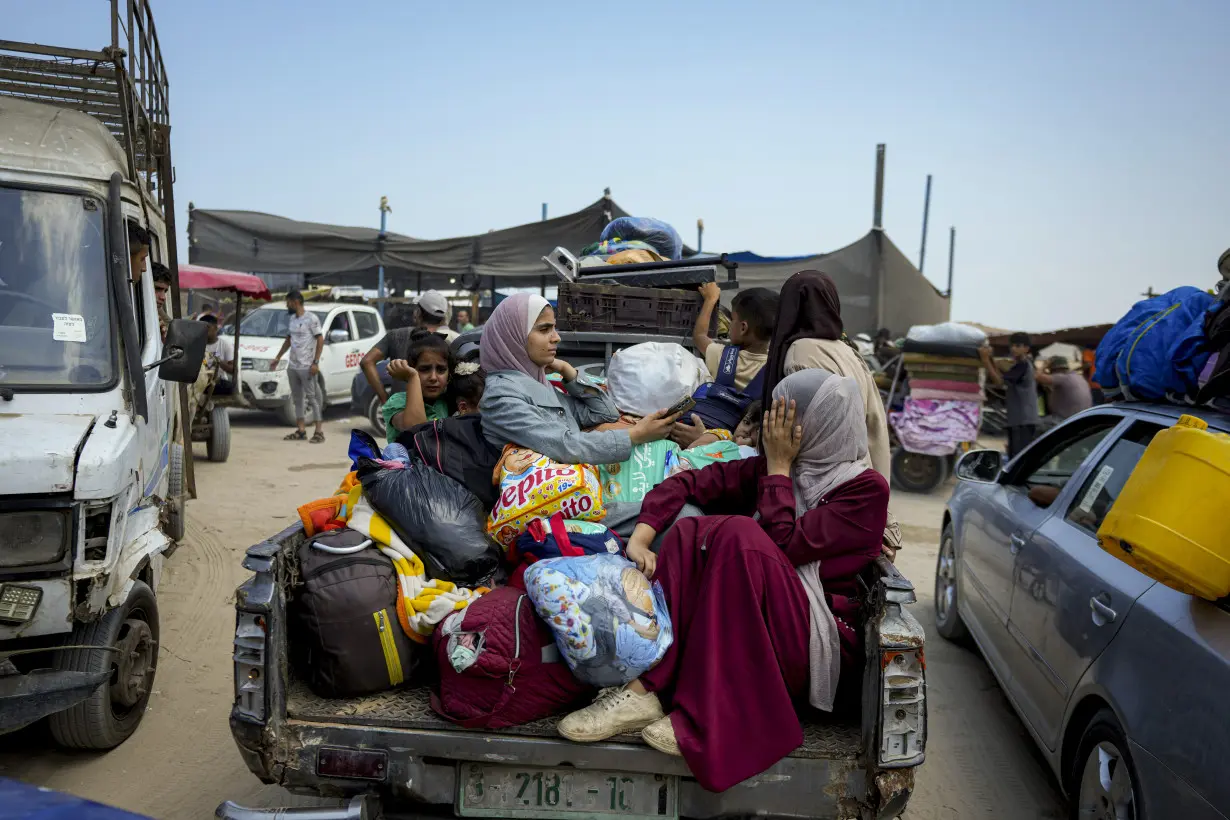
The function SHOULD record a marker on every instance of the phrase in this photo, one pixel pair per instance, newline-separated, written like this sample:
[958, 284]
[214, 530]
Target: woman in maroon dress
[754, 632]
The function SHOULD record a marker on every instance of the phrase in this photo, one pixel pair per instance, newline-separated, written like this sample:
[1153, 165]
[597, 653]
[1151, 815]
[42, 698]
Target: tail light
[903, 710]
[250, 633]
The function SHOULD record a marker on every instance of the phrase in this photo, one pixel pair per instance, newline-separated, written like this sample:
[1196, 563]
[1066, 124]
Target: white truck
[350, 331]
[93, 485]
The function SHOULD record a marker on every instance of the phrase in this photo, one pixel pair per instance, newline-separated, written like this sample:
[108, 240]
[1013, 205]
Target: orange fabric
[316, 514]
[348, 483]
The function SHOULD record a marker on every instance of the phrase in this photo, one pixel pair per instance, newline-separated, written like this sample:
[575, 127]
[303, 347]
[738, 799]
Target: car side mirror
[336, 336]
[981, 466]
[183, 351]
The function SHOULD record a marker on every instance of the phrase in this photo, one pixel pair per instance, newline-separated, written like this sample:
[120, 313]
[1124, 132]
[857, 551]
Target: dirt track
[182, 762]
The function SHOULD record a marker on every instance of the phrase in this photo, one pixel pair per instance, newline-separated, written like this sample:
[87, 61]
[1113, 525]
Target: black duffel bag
[455, 447]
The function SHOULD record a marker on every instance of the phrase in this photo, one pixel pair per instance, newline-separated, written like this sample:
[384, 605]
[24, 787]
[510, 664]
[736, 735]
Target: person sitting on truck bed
[425, 373]
[519, 406]
[752, 633]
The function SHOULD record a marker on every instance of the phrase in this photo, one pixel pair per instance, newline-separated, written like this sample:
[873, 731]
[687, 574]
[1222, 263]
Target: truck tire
[219, 445]
[112, 713]
[375, 417]
[176, 502]
[947, 617]
[917, 472]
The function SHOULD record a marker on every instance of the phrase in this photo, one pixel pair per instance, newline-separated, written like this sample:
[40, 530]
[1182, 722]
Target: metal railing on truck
[122, 85]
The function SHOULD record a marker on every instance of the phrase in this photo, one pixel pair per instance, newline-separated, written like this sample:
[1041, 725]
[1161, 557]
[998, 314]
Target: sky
[1080, 149]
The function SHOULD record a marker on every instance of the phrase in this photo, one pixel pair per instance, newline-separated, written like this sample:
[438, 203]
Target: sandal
[317, 438]
[298, 435]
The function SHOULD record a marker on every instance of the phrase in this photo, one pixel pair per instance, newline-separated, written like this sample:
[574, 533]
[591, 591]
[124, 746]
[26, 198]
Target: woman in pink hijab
[519, 405]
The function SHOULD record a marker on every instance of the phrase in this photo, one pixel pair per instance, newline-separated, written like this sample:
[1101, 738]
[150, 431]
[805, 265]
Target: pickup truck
[390, 751]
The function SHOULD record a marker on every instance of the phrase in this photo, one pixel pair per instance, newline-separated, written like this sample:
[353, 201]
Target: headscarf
[834, 448]
[809, 309]
[502, 345]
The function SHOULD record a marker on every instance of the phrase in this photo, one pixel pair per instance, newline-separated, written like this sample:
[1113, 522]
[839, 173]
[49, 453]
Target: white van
[350, 331]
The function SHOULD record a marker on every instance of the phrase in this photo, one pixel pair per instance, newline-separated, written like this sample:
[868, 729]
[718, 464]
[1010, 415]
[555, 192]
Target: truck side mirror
[184, 351]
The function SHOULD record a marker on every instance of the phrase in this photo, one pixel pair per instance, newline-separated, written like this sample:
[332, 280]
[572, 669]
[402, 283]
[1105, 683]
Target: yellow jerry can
[1172, 520]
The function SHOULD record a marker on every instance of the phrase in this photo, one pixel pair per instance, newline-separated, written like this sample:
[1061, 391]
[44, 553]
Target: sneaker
[661, 735]
[616, 710]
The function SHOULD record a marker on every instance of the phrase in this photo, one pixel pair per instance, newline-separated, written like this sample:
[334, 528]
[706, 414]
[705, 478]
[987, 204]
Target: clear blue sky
[1081, 149]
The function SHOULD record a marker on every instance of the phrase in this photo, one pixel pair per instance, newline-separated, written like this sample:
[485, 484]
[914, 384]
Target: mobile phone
[682, 406]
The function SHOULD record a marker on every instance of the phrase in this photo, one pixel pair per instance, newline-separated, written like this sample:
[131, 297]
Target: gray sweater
[519, 410]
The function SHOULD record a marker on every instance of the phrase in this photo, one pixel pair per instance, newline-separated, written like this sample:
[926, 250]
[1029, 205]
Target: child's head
[468, 382]
[747, 433]
[752, 315]
[429, 355]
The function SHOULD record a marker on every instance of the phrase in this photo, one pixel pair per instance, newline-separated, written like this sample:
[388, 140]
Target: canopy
[197, 277]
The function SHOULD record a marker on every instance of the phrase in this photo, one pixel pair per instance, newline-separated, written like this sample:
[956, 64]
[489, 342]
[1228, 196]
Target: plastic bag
[698, 458]
[664, 239]
[947, 332]
[533, 486]
[438, 518]
[610, 623]
[631, 480]
[652, 376]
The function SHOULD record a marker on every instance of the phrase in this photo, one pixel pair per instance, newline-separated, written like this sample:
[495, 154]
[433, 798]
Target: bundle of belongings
[944, 406]
[632, 240]
[1173, 347]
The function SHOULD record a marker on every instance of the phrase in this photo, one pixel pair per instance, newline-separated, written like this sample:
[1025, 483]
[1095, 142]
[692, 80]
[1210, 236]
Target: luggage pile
[944, 379]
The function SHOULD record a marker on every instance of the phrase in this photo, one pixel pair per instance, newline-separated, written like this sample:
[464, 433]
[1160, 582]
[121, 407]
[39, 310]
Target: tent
[879, 286]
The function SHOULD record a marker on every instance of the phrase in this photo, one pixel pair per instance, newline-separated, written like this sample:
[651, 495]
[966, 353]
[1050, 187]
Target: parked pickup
[391, 752]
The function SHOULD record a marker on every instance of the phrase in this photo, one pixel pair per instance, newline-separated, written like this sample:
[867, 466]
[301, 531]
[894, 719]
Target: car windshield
[272, 322]
[55, 311]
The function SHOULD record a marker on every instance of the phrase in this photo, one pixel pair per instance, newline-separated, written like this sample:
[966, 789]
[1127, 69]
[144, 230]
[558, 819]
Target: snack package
[610, 623]
[533, 486]
[631, 480]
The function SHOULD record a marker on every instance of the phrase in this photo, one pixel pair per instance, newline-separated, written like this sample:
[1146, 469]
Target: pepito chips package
[533, 486]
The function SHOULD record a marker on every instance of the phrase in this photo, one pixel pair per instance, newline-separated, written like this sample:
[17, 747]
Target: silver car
[1122, 681]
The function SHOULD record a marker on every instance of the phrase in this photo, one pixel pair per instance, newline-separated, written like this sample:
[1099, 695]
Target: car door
[998, 523]
[1071, 596]
[340, 346]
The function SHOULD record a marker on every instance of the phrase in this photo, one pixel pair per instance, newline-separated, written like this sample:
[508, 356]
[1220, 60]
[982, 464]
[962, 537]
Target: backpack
[343, 620]
[456, 447]
[499, 665]
[1158, 349]
[718, 403]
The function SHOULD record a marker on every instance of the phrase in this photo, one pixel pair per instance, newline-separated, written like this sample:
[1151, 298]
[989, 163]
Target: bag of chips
[533, 486]
[610, 623]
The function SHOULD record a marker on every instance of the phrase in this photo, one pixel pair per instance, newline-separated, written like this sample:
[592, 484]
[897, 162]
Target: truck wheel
[917, 472]
[219, 444]
[947, 619]
[1103, 779]
[286, 413]
[175, 513]
[375, 417]
[112, 713]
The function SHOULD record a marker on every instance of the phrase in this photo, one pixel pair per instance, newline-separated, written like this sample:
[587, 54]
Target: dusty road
[182, 761]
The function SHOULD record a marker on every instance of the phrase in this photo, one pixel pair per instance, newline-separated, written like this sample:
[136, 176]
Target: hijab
[834, 449]
[502, 345]
[809, 309]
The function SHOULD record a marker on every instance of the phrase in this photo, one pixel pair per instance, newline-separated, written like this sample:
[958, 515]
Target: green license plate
[515, 791]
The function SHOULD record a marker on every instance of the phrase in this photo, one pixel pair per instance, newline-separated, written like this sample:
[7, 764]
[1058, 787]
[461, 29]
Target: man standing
[1070, 392]
[1022, 390]
[464, 325]
[305, 341]
[431, 313]
[222, 349]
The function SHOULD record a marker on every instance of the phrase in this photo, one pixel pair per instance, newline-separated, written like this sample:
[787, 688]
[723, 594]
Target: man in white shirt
[221, 349]
[305, 340]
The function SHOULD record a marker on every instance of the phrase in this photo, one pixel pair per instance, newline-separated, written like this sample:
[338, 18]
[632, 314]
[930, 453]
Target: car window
[367, 324]
[1102, 487]
[1055, 459]
[340, 322]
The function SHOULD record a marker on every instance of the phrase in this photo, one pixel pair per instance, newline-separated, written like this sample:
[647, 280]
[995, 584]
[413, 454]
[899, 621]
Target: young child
[467, 387]
[425, 371]
[747, 434]
[752, 315]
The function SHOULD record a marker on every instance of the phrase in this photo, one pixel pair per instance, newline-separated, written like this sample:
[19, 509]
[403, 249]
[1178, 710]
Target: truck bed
[833, 736]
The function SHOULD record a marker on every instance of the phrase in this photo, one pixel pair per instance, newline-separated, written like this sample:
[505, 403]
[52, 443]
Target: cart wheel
[175, 515]
[218, 446]
[918, 472]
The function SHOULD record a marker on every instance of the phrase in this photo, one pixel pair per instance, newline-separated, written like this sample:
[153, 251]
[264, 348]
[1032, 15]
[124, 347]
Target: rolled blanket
[943, 395]
[945, 384]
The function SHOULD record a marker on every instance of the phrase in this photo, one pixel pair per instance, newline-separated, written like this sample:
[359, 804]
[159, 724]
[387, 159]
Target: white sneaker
[661, 735]
[616, 710]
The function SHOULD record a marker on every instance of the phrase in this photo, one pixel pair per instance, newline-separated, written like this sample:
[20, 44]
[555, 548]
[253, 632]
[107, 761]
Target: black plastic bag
[442, 521]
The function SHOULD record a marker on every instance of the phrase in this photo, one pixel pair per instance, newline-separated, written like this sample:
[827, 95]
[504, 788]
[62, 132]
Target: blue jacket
[519, 410]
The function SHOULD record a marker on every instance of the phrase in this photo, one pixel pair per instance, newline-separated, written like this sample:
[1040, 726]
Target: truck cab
[91, 497]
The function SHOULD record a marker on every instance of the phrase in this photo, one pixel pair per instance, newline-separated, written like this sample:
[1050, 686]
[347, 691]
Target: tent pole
[922, 250]
[952, 249]
[384, 213]
[700, 235]
[544, 212]
[877, 222]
